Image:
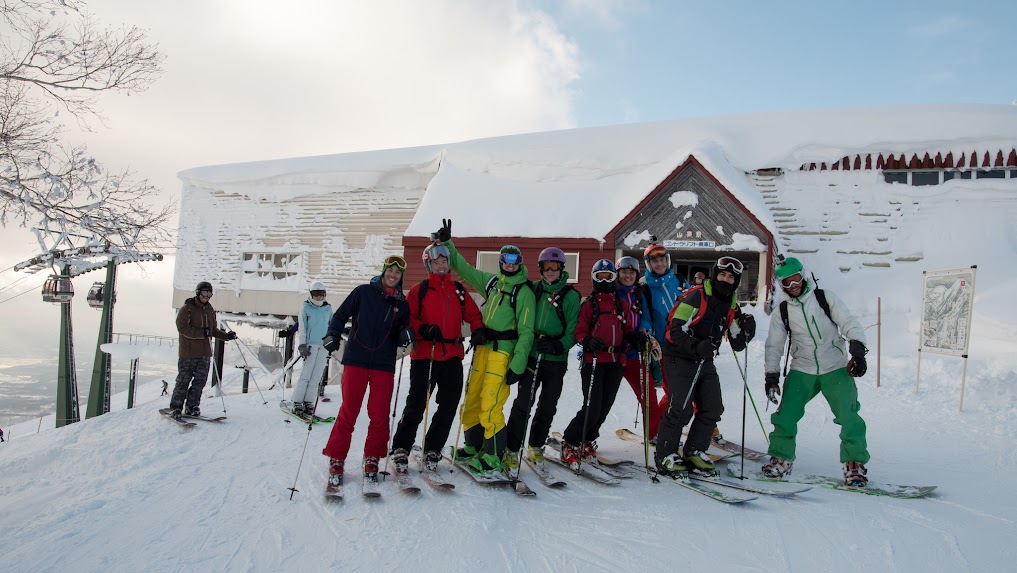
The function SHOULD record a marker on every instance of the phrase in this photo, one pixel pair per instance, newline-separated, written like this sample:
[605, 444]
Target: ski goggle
[609, 278]
[206, 293]
[435, 251]
[628, 263]
[730, 264]
[792, 281]
[511, 258]
[550, 266]
[317, 293]
[396, 261]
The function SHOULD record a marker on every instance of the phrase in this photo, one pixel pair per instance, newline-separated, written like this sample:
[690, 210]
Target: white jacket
[816, 345]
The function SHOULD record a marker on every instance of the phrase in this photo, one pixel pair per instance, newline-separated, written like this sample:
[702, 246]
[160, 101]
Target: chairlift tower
[68, 263]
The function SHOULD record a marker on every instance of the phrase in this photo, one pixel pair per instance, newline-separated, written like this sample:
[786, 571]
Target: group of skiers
[648, 330]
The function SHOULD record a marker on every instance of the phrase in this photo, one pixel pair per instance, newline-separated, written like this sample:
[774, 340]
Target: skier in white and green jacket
[819, 364]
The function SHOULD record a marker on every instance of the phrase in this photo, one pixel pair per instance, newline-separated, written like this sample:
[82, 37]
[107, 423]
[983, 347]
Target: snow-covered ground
[131, 491]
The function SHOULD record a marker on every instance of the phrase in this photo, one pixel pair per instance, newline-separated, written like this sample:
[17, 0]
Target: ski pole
[745, 392]
[427, 403]
[286, 368]
[529, 401]
[644, 385]
[310, 425]
[395, 404]
[586, 413]
[462, 407]
[745, 379]
[222, 395]
[248, 368]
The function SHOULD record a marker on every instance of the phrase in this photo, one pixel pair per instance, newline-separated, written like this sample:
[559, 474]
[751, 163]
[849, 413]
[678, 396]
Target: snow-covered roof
[581, 182]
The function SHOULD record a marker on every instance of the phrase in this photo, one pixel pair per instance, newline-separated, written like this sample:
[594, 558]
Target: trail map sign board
[947, 302]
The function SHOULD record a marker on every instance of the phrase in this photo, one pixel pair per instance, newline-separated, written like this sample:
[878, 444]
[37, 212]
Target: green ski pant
[840, 392]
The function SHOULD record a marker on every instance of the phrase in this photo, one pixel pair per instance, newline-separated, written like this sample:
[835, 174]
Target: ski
[287, 407]
[499, 478]
[167, 413]
[747, 485]
[545, 475]
[614, 470]
[708, 491]
[431, 478]
[203, 418]
[601, 458]
[630, 436]
[873, 488]
[728, 446]
[334, 488]
[522, 489]
[585, 470]
[371, 487]
[402, 475]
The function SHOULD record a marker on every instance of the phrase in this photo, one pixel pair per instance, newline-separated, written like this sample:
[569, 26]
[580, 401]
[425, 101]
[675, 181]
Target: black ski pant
[192, 373]
[681, 374]
[549, 382]
[447, 377]
[598, 399]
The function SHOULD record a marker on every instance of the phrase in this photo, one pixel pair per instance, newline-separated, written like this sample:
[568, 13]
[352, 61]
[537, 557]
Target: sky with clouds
[257, 79]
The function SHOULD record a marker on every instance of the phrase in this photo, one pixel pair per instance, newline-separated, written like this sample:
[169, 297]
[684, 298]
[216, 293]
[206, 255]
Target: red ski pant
[632, 375]
[355, 383]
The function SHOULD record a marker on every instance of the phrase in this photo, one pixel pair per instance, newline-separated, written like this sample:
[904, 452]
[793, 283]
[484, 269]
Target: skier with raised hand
[555, 317]
[817, 322]
[605, 334]
[196, 325]
[438, 308]
[697, 325]
[312, 326]
[380, 324]
[628, 290]
[501, 350]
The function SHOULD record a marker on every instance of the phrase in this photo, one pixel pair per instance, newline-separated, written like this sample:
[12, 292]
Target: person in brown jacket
[197, 325]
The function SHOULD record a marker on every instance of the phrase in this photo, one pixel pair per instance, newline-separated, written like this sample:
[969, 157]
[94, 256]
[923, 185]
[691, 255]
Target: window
[488, 261]
[948, 175]
[921, 178]
[271, 271]
[896, 177]
[1013, 174]
[993, 174]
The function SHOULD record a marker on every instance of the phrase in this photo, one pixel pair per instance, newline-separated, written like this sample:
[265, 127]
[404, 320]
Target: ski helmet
[203, 285]
[788, 267]
[654, 250]
[551, 255]
[316, 286]
[628, 263]
[510, 255]
[432, 252]
[699, 276]
[731, 265]
[604, 285]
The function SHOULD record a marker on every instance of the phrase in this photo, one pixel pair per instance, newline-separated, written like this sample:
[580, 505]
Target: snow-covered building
[750, 185]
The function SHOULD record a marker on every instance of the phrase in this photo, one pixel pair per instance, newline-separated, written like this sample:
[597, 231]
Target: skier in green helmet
[817, 322]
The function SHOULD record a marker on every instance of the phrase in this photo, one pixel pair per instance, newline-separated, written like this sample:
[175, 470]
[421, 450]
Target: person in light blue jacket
[661, 289]
[312, 327]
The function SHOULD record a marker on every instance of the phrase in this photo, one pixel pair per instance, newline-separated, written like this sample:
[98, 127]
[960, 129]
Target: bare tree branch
[53, 55]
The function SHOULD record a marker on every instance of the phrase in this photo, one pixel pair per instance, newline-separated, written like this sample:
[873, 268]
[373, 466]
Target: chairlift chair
[57, 289]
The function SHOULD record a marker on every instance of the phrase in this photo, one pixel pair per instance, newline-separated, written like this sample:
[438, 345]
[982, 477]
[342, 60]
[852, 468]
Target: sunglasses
[511, 258]
[395, 260]
[791, 281]
[730, 264]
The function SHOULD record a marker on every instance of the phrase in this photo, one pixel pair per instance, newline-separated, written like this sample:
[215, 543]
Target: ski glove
[231, 335]
[856, 367]
[284, 333]
[772, 386]
[548, 345]
[479, 337]
[431, 332]
[511, 377]
[857, 349]
[304, 350]
[208, 332]
[593, 344]
[637, 340]
[747, 323]
[332, 341]
[654, 346]
[445, 232]
[705, 349]
[405, 337]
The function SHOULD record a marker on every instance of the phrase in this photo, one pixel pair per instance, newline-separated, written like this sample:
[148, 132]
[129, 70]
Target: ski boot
[371, 477]
[194, 411]
[673, 466]
[589, 452]
[778, 468]
[511, 463]
[570, 455]
[335, 477]
[431, 460]
[400, 458]
[536, 455]
[699, 463]
[854, 474]
[308, 409]
[298, 409]
[465, 454]
[486, 464]
[176, 414]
